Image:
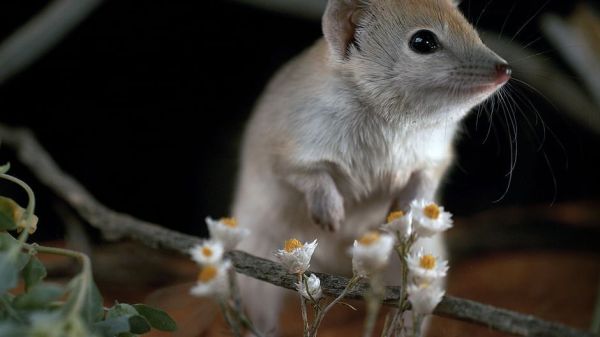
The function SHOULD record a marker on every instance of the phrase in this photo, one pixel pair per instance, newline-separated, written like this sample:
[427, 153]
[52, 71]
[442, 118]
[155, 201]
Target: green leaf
[22, 260]
[157, 318]
[4, 168]
[92, 309]
[7, 241]
[38, 297]
[112, 326]
[120, 310]
[138, 325]
[33, 273]
[9, 329]
[9, 270]
[9, 210]
[12, 260]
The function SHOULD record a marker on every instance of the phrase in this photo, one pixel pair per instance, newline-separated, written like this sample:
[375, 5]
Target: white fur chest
[370, 157]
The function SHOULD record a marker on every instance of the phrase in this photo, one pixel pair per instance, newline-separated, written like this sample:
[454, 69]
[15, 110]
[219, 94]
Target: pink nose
[503, 72]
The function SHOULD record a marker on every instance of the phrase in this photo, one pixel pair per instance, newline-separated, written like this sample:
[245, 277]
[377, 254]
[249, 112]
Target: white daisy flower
[371, 253]
[424, 297]
[209, 252]
[295, 256]
[314, 287]
[399, 224]
[426, 267]
[226, 231]
[429, 218]
[212, 280]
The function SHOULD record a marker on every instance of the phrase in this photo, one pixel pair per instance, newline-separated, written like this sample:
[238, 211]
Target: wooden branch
[117, 225]
[451, 307]
[41, 33]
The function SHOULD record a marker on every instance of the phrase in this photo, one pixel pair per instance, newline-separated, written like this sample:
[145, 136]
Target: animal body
[359, 124]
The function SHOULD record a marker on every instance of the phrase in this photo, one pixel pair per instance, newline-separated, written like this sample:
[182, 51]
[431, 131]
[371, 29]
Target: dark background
[145, 103]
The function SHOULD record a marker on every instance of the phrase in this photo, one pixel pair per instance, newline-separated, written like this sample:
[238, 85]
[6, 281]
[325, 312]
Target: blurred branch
[41, 33]
[117, 225]
[546, 79]
[310, 9]
[575, 47]
[113, 225]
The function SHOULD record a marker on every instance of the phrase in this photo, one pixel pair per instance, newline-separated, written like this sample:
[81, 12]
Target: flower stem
[234, 291]
[373, 299]
[397, 324]
[4, 304]
[86, 272]
[248, 324]
[417, 324]
[303, 306]
[236, 308]
[390, 328]
[386, 324]
[231, 322]
[315, 326]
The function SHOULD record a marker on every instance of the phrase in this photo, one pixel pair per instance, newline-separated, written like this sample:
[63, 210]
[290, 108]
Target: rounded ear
[339, 25]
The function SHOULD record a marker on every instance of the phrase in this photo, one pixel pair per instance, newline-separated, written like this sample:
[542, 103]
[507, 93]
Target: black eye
[424, 42]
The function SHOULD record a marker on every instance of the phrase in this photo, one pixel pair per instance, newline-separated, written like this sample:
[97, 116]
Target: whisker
[529, 86]
[530, 19]
[483, 12]
[512, 8]
[554, 181]
[545, 129]
[538, 116]
[490, 122]
[544, 52]
[532, 42]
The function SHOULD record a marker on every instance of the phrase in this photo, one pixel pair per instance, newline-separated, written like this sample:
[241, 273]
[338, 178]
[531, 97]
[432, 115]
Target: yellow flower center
[394, 216]
[424, 285]
[207, 273]
[229, 222]
[291, 245]
[206, 251]
[369, 238]
[427, 261]
[432, 211]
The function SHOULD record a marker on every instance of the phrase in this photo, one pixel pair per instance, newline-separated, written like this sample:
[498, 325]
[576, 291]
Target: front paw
[326, 209]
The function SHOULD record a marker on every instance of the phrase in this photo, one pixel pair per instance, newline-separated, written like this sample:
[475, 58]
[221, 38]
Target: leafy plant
[45, 309]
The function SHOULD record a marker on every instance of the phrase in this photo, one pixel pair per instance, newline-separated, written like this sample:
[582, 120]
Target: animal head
[412, 59]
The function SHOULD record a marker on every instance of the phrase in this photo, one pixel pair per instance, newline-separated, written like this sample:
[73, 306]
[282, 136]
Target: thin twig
[41, 33]
[32, 155]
